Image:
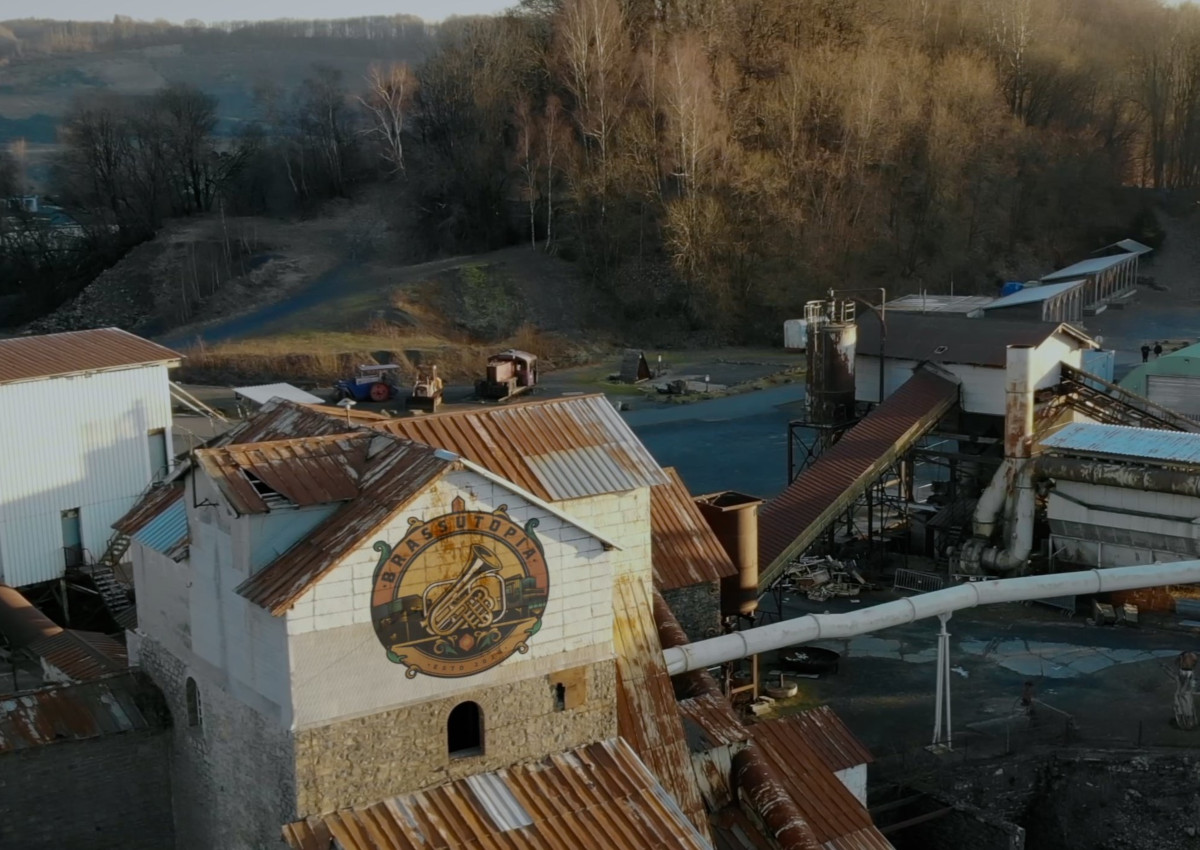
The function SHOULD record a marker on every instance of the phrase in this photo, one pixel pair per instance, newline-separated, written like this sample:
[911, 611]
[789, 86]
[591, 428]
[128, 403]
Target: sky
[250, 10]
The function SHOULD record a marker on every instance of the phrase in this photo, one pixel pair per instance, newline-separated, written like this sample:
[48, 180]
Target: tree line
[709, 163]
[723, 160]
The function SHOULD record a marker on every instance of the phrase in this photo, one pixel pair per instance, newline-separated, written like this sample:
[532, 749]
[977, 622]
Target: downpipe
[813, 627]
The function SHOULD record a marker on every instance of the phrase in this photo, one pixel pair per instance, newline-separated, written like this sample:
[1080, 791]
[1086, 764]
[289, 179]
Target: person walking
[1157, 350]
[1145, 352]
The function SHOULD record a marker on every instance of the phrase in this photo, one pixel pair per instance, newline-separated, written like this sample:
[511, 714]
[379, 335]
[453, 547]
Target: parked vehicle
[508, 373]
[370, 383]
[427, 390]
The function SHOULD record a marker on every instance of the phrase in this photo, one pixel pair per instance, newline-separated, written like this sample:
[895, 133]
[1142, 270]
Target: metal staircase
[103, 576]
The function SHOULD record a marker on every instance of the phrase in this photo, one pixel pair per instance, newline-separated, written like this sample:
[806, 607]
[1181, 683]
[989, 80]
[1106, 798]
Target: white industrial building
[86, 427]
[1122, 496]
[973, 351]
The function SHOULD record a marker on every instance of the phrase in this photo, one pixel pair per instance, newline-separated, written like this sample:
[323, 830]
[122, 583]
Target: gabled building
[973, 351]
[87, 427]
[348, 624]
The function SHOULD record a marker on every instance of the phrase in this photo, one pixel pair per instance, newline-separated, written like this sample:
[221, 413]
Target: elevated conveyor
[791, 522]
[1109, 404]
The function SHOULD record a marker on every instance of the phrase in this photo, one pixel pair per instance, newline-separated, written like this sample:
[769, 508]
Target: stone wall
[111, 791]
[698, 609]
[232, 775]
[395, 752]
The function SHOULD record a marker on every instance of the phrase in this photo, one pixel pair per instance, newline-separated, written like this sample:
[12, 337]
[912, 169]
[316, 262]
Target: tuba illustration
[473, 600]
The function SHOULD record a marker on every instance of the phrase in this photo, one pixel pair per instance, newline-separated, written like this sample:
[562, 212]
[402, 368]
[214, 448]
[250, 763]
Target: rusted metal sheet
[167, 533]
[646, 712]
[598, 796]
[684, 548]
[81, 655]
[710, 722]
[280, 419]
[733, 830]
[570, 448]
[395, 471]
[303, 472]
[149, 507]
[1125, 476]
[830, 738]
[837, 818]
[27, 358]
[546, 447]
[789, 523]
[124, 703]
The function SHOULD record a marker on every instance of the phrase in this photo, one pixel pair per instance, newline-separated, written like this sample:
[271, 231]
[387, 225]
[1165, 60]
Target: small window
[464, 730]
[192, 694]
[560, 696]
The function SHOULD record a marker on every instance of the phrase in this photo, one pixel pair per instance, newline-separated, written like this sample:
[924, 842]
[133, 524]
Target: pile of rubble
[823, 578]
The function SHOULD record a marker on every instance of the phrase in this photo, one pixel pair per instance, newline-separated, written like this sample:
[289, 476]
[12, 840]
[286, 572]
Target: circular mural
[459, 593]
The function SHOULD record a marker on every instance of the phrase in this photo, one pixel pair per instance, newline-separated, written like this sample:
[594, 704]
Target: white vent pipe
[811, 627]
[1011, 488]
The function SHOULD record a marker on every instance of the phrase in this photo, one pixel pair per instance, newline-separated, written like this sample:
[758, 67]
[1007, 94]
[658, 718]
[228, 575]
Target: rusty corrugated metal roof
[148, 507]
[395, 471]
[27, 358]
[597, 796]
[789, 523]
[280, 419]
[82, 655]
[125, 703]
[569, 448]
[557, 449]
[646, 713]
[830, 738]
[837, 818]
[710, 722]
[684, 549]
[305, 471]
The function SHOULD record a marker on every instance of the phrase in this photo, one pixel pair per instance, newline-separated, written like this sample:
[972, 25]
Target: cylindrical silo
[832, 336]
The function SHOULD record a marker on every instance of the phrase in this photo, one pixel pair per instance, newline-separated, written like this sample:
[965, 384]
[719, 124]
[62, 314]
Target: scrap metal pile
[823, 578]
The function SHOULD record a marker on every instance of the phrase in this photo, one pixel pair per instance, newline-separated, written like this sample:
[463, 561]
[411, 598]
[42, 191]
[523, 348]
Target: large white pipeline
[811, 627]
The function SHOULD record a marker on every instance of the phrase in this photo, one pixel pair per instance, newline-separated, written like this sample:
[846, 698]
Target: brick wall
[394, 752]
[112, 791]
[698, 609]
[232, 776]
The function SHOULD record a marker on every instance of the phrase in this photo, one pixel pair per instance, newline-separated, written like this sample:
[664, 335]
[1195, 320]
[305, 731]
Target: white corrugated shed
[262, 393]
[78, 441]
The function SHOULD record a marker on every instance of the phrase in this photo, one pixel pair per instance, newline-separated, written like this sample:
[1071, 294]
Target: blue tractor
[370, 383]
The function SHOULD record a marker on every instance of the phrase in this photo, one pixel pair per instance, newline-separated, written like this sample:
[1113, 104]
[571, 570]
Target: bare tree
[389, 97]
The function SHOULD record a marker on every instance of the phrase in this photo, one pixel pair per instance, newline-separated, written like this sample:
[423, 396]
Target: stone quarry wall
[354, 762]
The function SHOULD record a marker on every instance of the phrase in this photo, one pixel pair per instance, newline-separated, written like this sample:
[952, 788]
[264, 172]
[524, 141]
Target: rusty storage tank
[733, 517]
[832, 338]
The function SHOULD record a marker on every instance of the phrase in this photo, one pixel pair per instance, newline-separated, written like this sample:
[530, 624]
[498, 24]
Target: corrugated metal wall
[77, 442]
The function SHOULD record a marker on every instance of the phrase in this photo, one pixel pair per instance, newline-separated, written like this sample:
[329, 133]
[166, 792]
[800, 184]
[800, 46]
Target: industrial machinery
[427, 390]
[508, 373]
[370, 383]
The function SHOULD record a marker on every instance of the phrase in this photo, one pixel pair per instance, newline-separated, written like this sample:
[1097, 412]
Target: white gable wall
[73, 442]
[340, 670]
[230, 643]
